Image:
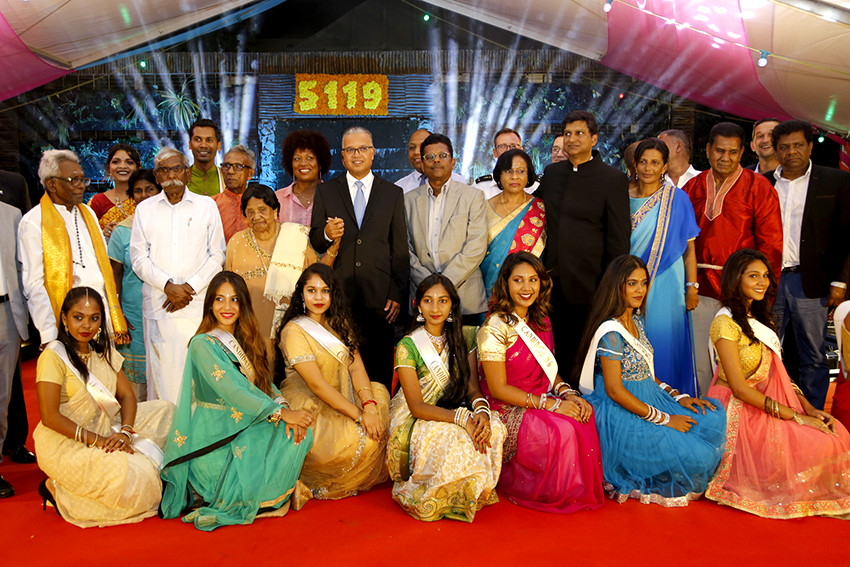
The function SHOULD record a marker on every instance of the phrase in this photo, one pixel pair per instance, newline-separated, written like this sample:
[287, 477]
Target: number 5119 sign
[341, 94]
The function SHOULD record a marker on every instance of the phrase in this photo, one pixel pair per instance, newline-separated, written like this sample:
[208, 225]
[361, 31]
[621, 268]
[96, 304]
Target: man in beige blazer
[13, 318]
[447, 228]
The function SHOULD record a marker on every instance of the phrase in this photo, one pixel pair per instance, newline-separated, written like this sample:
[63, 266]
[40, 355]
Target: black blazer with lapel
[14, 191]
[825, 232]
[373, 261]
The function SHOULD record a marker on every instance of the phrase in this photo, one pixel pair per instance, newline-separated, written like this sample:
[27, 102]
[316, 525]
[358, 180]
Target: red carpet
[371, 530]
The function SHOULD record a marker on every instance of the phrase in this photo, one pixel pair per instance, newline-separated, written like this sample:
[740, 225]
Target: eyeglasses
[506, 147]
[557, 150]
[237, 167]
[178, 169]
[432, 157]
[84, 181]
[361, 150]
[518, 171]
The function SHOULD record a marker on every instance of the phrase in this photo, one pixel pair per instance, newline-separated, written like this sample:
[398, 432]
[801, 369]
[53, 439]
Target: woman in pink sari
[551, 458]
[783, 458]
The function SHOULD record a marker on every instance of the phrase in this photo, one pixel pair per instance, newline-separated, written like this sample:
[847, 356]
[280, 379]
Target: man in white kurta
[176, 246]
[62, 177]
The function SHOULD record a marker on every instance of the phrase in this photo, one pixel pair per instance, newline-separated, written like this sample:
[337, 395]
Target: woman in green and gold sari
[445, 459]
[228, 456]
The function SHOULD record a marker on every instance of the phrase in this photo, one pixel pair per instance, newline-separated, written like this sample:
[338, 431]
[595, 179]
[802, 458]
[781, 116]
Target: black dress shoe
[46, 496]
[6, 489]
[19, 454]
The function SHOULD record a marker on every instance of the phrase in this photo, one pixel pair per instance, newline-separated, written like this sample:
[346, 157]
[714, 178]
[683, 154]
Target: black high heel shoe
[46, 497]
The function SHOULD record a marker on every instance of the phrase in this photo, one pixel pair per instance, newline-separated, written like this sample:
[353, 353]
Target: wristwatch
[694, 285]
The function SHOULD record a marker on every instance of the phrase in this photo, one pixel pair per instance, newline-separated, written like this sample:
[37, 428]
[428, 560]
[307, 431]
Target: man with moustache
[373, 261]
[61, 246]
[176, 246]
[237, 169]
[815, 205]
[735, 208]
[762, 145]
[205, 143]
[417, 178]
[447, 229]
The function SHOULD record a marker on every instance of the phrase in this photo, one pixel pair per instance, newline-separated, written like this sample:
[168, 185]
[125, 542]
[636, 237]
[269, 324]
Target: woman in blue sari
[663, 233]
[235, 449]
[515, 219]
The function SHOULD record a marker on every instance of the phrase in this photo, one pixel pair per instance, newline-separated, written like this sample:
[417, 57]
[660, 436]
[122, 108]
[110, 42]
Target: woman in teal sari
[663, 233]
[228, 456]
[515, 219]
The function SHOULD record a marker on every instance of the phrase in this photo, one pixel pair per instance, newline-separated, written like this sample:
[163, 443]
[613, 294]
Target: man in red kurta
[237, 169]
[735, 208]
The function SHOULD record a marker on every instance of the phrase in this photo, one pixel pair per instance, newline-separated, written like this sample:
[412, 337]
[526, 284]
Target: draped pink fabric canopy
[704, 50]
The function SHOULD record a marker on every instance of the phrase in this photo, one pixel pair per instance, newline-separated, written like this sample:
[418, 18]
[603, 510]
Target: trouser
[10, 372]
[377, 344]
[568, 321]
[807, 317]
[166, 347]
[702, 317]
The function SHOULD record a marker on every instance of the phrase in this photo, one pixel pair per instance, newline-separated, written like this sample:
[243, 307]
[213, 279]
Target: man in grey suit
[13, 317]
[447, 228]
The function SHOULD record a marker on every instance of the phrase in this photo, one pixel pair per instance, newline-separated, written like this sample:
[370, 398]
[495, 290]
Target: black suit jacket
[825, 232]
[588, 223]
[373, 261]
[14, 191]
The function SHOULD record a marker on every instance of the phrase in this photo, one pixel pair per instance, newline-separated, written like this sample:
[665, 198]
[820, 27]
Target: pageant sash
[838, 316]
[586, 378]
[58, 261]
[287, 261]
[538, 348]
[763, 333]
[325, 338]
[109, 404]
[431, 357]
[230, 343]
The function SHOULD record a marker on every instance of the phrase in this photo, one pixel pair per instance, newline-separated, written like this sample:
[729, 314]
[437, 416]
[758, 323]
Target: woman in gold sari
[116, 204]
[101, 472]
[325, 376]
[270, 256]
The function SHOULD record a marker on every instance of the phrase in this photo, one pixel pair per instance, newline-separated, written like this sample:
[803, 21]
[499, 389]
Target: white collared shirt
[792, 202]
[367, 185]
[182, 243]
[436, 211]
[491, 189]
[415, 180]
[689, 174]
[85, 270]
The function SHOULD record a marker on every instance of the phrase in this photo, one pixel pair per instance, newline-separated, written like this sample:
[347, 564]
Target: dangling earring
[96, 336]
[64, 324]
[303, 305]
[449, 319]
[420, 318]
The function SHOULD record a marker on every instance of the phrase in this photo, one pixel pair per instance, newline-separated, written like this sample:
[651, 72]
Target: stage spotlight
[143, 64]
[608, 5]
[762, 62]
[426, 17]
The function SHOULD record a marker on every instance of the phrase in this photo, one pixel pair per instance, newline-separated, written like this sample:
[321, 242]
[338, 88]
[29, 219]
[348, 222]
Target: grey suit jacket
[9, 219]
[463, 241]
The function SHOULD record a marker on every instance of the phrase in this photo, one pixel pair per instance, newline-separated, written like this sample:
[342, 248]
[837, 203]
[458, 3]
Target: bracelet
[280, 400]
[462, 416]
[482, 400]
[528, 400]
[556, 405]
[542, 401]
[127, 433]
[364, 388]
[680, 397]
[129, 428]
[367, 402]
[78, 434]
[96, 439]
[798, 418]
[656, 416]
[771, 407]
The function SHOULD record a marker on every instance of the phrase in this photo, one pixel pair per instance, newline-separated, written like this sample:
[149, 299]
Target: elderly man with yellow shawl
[61, 246]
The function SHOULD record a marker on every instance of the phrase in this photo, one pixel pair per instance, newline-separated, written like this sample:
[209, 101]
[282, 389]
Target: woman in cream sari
[270, 256]
[325, 376]
[101, 471]
[445, 459]
[515, 219]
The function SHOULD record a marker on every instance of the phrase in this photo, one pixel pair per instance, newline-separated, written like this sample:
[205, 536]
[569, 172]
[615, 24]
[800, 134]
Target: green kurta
[257, 469]
[205, 183]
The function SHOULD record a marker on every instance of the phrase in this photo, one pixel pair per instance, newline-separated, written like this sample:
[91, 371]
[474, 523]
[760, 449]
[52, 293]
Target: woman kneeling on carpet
[783, 457]
[101, 471]
[325, 376]
[235, 448]
[444, 459]
[657, 445]
[551, 456]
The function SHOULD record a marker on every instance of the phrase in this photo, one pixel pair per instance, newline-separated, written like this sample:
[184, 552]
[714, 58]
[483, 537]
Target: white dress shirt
[182, 243]
[85, 270]
[2, 277]
[436, 212]
[415, 180]
[367, 185]
[689, 174]
[792, 202]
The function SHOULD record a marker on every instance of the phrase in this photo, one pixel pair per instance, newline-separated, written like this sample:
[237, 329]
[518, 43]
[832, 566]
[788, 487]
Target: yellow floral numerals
[347, 95]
